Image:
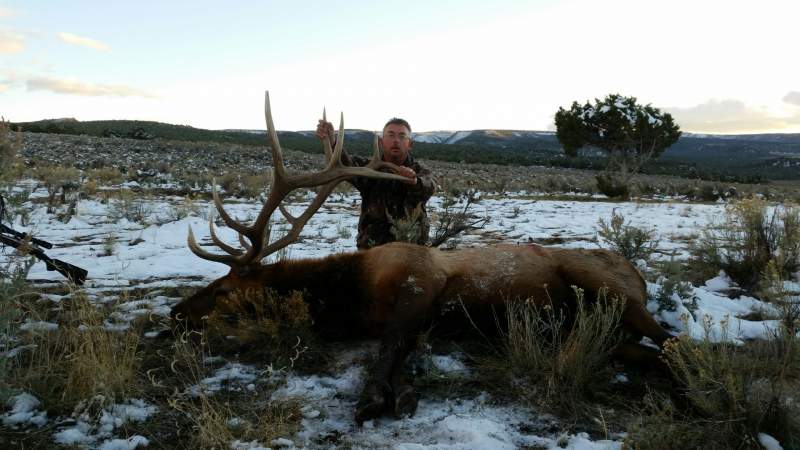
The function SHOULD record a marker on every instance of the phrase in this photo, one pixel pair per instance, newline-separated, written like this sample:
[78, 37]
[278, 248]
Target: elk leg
[404, 398]
[387, 387]
[641, 356]
[375, 398]
[637, 320]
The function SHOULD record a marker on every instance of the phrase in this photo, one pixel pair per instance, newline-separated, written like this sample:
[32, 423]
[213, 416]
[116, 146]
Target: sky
[716, 66]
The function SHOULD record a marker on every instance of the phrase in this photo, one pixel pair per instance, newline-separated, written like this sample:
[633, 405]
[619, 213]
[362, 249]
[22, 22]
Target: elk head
[245, 261]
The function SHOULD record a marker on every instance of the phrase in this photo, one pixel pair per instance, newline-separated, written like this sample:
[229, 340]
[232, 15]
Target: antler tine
[218, 242]
[258, 233]
[299, 222]
[244, 243]
[376, 150]
[229, 260]
[287, 215]
[230, 221]
[336, 160]
[277, 156]
[326, 144]
[377, 163]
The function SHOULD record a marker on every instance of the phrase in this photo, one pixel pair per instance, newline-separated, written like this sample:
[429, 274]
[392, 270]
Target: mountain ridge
[761, 156]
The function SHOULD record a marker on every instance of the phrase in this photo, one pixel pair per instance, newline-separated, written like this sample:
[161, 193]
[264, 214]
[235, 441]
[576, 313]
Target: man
[385, 204]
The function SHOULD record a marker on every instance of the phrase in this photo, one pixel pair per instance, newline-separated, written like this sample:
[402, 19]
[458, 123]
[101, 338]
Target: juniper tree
[628, 132]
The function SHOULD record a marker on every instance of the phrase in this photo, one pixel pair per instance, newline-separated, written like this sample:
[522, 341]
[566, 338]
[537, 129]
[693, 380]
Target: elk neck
[332, 286]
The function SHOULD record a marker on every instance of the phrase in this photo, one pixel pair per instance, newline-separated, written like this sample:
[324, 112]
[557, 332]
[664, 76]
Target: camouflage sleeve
[425, 186]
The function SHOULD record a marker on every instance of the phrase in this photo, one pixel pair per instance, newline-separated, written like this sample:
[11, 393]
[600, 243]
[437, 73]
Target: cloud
[730, 116]
[73, 39]
[11, 42]
[72, 87]
[4, 87]
[6, 12]
[792, 98]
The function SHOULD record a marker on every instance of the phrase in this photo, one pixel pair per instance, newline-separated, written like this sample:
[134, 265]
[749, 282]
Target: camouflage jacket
[392, 210]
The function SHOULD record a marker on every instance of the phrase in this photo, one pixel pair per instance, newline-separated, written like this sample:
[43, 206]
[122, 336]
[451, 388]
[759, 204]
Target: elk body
[394, 291]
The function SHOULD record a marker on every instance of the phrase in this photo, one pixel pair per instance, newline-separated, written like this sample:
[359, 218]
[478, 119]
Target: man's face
[396, 143]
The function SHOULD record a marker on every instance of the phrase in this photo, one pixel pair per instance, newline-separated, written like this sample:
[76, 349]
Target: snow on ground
[705, 314]
[158, 252]
[464, 423]
[233, 376]
[23, 412]
[88, 431]
[154, 256]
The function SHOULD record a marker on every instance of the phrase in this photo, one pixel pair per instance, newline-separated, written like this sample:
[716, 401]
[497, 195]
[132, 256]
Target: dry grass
[217, 420]
[10, 143]
[561, 356]
[260, 321]
[217, 423]
[254, 185]
[105, 176]
[80, 360]
[125, 204]
[14, 291]
[731, 393]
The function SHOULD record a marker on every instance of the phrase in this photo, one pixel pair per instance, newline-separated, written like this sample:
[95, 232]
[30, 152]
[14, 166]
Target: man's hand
[325, 130]
[409, 173]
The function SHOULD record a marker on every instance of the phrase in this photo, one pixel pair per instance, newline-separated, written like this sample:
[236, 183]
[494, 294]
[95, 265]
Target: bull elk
[393, 291]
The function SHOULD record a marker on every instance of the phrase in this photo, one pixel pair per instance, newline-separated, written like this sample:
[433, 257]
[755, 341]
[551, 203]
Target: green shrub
[748, 240]
[58, 180]
[673, 281]
[407, 229]
[613, 186]
[631, 242]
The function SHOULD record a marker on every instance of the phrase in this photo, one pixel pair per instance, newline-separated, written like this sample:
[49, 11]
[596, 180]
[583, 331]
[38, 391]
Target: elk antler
[257, 234]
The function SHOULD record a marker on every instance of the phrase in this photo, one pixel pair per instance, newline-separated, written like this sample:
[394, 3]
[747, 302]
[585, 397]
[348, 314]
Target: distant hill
[751, 157]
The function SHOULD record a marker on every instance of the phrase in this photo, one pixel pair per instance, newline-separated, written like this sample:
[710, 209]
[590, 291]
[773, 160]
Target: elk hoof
[371, 405]
[405, 401]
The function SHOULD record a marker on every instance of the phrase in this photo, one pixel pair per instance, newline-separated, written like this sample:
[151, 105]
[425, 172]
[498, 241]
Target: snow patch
[84, 432]
[24, 412]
